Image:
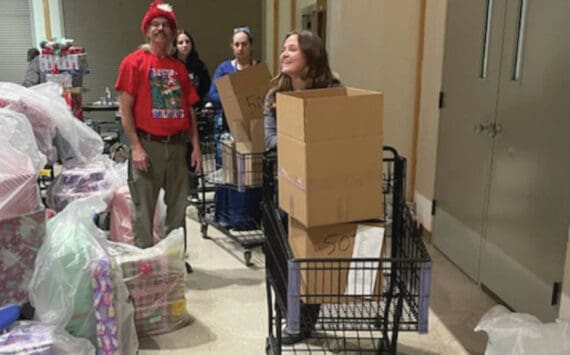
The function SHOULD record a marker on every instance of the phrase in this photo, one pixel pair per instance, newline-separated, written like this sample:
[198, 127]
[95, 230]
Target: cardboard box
[229, 167]
[243, 96]
[330, 155]
[326, 281]
[249, 167]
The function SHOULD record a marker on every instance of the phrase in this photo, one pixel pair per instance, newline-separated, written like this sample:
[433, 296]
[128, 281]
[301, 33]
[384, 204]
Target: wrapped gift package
[121, 229]
[19, 192]
[107, 330]
[148, 286]
[20, 240]
[41, 339]
[76, 183]
[77, 285]
[154, 290]
[156, 280]
[37, 109]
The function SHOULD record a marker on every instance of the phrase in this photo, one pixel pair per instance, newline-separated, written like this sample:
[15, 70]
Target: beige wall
[564, 312]
[431, 84]
[379, 53]
[434, 34]
[109, 29]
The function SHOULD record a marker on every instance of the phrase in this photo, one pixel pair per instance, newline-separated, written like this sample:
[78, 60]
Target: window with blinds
[15, 39]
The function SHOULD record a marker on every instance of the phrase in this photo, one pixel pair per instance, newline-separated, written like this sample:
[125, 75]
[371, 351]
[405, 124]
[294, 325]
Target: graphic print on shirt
[166, 94]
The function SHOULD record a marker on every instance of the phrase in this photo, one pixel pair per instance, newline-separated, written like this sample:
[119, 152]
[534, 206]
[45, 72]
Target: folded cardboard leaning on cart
[243, 96]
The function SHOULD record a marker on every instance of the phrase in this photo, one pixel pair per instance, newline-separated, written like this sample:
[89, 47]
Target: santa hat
[156, 9]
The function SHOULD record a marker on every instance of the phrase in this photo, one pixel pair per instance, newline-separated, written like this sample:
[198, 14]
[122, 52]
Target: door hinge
[433, 207]
[556, 290]
[441, 103]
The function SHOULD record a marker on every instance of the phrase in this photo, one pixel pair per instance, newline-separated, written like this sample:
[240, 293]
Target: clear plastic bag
[17, 131]
[100, 177]
[27, 337]
[156, 279]
[77, 285]
[76, 143]
[19, 192]
[121, 230]
[59, 135]
[37, 109]
[523, 334]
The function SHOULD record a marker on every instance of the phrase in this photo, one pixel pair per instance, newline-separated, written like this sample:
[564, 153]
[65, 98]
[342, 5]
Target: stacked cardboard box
[330, 177]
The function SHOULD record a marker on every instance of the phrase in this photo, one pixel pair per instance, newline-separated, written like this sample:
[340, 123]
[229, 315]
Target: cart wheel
[247, 257]
[204, 230]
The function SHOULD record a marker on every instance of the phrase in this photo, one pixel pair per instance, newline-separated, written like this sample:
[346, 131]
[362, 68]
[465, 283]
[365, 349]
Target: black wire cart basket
[312, 298]
[230, 189]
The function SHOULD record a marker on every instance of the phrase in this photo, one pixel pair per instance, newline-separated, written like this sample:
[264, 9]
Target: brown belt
[177, 138]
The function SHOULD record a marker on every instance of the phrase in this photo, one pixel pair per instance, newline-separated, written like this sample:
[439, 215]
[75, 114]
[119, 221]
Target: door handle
[497, 129]
[482, 127]
[491, 128]
[486, 39]
[520, 41]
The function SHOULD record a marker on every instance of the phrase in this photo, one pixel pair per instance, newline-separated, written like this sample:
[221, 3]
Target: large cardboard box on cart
[327, 281]
[243, 96]
[330, 155]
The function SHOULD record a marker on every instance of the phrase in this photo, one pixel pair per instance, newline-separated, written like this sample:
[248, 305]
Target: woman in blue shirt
[242, 42]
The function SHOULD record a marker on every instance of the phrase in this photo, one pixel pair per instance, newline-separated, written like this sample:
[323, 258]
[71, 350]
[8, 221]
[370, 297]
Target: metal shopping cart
[230, 189]
[305, 295]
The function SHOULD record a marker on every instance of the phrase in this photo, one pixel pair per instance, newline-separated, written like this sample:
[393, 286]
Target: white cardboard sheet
[362, 274]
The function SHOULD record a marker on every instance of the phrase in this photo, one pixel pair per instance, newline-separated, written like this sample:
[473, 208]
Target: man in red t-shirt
[156, 98]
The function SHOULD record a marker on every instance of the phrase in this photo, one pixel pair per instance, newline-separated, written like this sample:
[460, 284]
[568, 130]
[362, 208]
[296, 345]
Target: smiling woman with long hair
[304, 65]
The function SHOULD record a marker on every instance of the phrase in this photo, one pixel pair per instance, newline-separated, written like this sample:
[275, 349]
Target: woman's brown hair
[317, 73]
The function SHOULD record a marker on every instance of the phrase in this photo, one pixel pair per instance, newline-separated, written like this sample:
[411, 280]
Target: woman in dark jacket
[185, 51]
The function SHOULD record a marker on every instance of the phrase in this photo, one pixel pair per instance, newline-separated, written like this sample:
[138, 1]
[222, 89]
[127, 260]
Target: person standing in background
[185, 50]
[156, 98]
[242, 42]
[32, 76]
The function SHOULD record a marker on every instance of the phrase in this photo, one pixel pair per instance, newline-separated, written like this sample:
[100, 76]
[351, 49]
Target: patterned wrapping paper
[34, 339]
[78, 183]
[157, 293]
[177, 313]
[19, 194]
[20, 240]
[107, 329]
[121, 230]
[146, 278]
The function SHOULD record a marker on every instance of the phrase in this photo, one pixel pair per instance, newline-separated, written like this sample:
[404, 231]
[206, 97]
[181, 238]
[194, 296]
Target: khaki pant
[168, 171]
